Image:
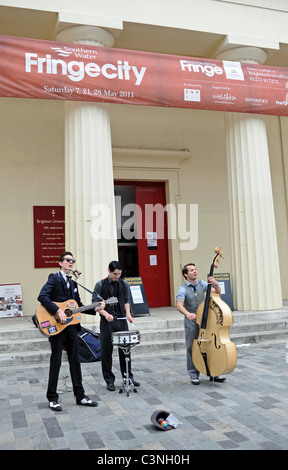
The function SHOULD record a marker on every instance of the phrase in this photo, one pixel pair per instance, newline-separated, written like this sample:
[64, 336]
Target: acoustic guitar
[49, 325]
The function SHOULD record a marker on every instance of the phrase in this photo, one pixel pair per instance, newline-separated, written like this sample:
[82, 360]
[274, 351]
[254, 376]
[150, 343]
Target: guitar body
[213, 353]
[49, 325]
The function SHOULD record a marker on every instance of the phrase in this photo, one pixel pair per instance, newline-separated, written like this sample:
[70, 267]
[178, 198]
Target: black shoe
[136, 384]
[85, 401]
[54, 405]
[111, 387]
[217, 379]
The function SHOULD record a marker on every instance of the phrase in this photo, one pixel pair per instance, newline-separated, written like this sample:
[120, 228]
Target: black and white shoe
[54, 405]
[85, 401]
[195, 381]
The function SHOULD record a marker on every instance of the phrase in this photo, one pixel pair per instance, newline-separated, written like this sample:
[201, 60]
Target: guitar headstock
[219, 254]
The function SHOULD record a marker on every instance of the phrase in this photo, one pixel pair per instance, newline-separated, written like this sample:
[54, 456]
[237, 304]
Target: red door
[153, 243]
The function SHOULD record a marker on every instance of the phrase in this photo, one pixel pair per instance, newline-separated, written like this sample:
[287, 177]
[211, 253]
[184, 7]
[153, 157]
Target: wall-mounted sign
[49, 235]
[151, 240]
[33, 68]
[11, 300]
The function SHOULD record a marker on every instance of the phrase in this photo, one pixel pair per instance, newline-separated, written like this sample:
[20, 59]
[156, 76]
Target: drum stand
[127, 381]
[64, 387]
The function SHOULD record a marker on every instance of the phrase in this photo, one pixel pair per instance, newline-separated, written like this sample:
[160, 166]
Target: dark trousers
[67, 339]
[106, 330]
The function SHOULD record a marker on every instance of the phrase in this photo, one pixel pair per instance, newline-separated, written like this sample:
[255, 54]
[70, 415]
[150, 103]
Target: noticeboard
[225, 284]
[11, 300]
[138, 301]
[49, 235]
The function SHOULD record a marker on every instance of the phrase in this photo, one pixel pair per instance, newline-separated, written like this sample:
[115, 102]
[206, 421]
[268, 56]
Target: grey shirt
[192, 295]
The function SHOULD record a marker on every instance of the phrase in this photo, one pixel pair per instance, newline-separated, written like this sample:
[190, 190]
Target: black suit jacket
[55, 290]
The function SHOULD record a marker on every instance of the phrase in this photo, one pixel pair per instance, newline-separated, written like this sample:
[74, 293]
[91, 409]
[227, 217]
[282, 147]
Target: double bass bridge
[203, 340]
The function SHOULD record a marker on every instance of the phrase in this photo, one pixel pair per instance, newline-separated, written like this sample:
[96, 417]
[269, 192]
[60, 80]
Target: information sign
[224, 281]
[138, 299]
[11, 300]
[49, 235]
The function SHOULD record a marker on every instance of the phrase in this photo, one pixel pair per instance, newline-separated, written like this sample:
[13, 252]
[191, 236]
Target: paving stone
[247, 412]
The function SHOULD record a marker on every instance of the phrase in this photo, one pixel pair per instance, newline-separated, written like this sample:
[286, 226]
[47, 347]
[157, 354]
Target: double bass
[213, 353]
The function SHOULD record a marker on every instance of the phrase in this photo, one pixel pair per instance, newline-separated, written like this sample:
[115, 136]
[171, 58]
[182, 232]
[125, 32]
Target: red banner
[40, 69]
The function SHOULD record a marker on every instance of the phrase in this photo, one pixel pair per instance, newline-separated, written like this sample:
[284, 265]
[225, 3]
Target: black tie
[115, 288]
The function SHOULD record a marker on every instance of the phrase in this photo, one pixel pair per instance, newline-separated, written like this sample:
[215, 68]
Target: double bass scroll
[213, 353]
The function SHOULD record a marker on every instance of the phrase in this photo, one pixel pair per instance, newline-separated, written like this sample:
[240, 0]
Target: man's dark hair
[65, 253]
[185, 268]
[115, 265]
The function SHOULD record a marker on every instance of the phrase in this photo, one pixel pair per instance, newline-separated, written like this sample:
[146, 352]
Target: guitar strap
[78, 284]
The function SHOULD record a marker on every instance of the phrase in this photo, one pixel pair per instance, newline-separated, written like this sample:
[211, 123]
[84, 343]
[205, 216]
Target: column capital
[243, 49]
[86, 35]
[254, 55]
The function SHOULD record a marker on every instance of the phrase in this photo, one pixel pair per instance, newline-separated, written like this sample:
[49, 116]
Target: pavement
[247, 412]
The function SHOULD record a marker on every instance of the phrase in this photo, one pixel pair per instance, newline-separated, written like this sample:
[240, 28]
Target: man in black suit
[60, 288]
[113, 319]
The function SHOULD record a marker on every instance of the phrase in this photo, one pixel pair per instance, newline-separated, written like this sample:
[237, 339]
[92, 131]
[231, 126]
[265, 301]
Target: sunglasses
[70, 260]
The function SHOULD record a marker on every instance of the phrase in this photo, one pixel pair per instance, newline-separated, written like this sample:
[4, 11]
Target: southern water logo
[61, 52]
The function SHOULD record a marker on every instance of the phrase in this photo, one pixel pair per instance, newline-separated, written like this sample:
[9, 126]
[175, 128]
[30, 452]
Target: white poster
[136, 294]
[151, 239]
[11, 300]
[153, 260]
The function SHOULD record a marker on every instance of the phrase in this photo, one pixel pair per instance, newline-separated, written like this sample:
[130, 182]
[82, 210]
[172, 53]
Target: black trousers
[67, 339]
[106, 330]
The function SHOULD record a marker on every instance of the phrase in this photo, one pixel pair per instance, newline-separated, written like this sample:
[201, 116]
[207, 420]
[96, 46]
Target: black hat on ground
[160, 414]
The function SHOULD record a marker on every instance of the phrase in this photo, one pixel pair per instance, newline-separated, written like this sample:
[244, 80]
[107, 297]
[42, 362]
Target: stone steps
[22, 343]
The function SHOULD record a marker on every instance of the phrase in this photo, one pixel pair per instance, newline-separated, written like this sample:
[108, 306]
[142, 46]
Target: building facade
[223, 175]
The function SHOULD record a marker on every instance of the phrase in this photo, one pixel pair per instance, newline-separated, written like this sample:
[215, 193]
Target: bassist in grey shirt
[190, 295]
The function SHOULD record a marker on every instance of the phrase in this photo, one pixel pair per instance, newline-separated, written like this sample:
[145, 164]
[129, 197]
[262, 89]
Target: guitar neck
[85, 307]
[207, 300]
[111, 300]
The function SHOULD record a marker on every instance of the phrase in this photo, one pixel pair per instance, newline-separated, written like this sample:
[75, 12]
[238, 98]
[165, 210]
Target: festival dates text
[90, 92]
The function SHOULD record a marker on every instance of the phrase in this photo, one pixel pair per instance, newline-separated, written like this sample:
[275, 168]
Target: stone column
[255, 264]
[89, 188]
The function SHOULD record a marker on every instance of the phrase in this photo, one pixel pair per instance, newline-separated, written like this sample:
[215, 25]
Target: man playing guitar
[60, 288]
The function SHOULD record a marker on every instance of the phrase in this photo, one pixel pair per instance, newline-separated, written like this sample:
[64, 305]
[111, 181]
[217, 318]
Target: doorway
[142, 237]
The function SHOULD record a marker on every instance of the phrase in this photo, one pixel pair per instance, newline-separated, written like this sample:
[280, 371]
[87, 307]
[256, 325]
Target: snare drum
[125, 338]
